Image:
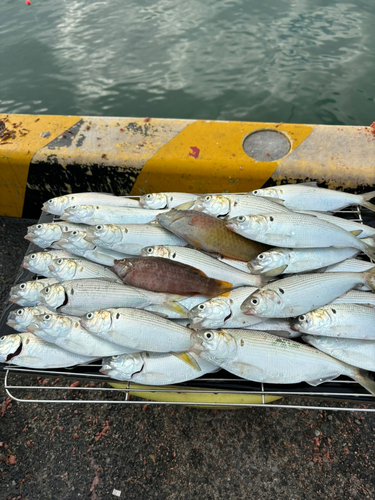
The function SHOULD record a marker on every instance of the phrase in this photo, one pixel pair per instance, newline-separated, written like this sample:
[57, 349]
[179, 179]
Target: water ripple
[230, 59]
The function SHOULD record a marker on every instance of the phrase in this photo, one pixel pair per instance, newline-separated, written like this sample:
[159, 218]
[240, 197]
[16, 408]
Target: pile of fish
[271, 286]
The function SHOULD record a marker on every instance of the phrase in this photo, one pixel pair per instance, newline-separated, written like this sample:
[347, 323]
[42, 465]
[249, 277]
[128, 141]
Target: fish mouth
[231, 227]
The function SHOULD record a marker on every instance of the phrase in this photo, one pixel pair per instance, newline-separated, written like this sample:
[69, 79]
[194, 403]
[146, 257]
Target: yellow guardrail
[43, 156]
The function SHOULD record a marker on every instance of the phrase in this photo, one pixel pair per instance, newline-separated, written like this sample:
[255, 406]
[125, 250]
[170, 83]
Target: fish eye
[255, 302]
[50, 201]
[19, 312]
[150, 250]
[3, 338]
[47, 289]
[201, 307]
[208, 335]
[22, 286]
[255, 192]
[74, 233]
[207, 198]
[47, 317]
[33, 256]
[301, 318]
[39, 226]
[89, 315]
[241, 218]
[261, 256]
[99, 228]
[59, 261]
[149, 196]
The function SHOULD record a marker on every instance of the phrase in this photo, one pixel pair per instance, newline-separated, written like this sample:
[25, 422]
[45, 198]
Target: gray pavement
[51, 451]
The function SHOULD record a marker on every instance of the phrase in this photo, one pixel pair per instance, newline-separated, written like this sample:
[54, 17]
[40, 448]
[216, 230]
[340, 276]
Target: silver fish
[262, 357]
[347, 224]
[301, 293]
[28, 292]
[131, 238]
[94, 214]
[38, 262]
[352, 321]
[238, 264]
[182, 312]
[356, 297]
[309, 196]
[46, 234]
[75, 269]
[153, 368]
[156, 201]
[80, 296]
[223, 311]
[298, 260]
[76, 244]
[59, 204]
[19, 319]
[355, 352]
[137, 329]
[25, 349]
[66, 332]
[350, 266]
[231, 205]
[294, 230]
[208, 265]
[281, 327]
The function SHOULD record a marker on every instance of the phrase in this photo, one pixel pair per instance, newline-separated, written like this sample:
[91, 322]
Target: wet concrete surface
[103, 451]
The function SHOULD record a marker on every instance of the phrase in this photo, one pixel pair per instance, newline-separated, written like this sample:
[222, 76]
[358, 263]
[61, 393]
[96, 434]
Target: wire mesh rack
[84, 384]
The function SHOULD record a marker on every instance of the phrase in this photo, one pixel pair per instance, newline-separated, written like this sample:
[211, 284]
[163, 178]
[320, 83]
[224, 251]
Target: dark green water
[271, 60]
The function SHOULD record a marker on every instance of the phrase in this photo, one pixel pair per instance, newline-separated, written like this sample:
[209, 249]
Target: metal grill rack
[221, 389]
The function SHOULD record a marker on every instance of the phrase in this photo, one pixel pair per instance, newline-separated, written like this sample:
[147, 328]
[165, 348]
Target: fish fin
[195, 242]
[188, 359]
[185, 206]
[370, 278]
[363, 378]
[318, 381]
[274, 272]
[174, 306]
[368, 205]
[366, 197]
[369, 251]
[275, 200]
[220, 288]
[356, 232]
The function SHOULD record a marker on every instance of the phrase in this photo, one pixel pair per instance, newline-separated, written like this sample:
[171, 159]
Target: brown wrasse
[210, 234]
[162, 275]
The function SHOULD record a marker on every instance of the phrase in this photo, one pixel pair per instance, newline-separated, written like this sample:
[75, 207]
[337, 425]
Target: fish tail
[219, 288]
[367, 248]
[363, 378]
[172, 304]
[366, 197]
[370, 277]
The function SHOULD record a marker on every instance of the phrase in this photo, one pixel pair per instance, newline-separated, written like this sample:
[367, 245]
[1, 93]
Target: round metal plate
[266, 145]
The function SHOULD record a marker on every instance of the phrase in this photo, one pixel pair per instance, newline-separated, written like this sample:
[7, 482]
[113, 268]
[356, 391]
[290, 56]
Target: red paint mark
[146, 119]
[28, 2]
[233, 154]
[267, 154]
[75, 384]
[195, 152]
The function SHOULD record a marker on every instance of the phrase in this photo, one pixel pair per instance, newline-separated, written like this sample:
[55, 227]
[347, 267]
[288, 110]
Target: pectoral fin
[274, 272]
[188, 359]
